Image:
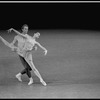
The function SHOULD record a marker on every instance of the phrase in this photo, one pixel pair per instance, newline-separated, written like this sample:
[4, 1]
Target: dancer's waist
[22, 52]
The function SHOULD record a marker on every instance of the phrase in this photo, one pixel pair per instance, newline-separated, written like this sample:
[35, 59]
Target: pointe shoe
[30, 82]
[44, 83]
[18, 76]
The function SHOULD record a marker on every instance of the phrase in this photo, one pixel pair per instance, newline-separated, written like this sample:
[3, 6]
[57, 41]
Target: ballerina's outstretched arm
[17, 32]
[25, 36]
[45, 50]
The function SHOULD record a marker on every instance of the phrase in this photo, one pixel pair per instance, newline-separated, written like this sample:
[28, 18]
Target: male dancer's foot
[31, 81]
[18, 76]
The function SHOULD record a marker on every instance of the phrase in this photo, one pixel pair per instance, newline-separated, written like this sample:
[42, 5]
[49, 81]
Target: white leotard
[29, 43]
[25, 45]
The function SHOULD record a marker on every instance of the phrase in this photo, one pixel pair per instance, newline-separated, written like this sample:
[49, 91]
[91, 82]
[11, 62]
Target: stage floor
[15, 89]
[71, 68]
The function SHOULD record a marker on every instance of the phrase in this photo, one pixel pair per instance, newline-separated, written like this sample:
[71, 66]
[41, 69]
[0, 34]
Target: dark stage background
[50, 15]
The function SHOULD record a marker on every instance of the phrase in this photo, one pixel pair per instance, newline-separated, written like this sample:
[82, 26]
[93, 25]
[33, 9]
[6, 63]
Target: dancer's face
[36, 35]
[25, 30]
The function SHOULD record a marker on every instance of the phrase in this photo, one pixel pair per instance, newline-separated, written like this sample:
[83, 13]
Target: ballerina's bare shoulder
[29, 43]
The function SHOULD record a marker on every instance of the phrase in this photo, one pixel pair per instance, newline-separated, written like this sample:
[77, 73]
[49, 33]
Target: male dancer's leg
[26, 70]
[27, 67]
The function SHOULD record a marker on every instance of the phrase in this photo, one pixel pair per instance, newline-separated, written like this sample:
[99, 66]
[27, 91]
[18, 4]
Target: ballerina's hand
[9, 30]
[45, 52]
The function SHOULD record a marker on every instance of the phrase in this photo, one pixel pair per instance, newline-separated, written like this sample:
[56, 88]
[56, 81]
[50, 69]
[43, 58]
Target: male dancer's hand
[13, 49]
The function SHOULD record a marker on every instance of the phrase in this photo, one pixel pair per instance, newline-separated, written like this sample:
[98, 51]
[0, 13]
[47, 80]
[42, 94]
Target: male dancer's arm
[14, 48]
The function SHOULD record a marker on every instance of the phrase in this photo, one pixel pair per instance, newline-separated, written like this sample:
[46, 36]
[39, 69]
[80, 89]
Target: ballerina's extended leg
[30, 62]
[5, 42]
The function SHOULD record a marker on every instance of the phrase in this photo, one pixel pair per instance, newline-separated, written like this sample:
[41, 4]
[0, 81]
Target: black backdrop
[50, 15]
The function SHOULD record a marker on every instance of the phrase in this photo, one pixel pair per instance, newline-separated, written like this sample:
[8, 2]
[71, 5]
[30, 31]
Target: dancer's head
[36, 35]
[25, 28]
